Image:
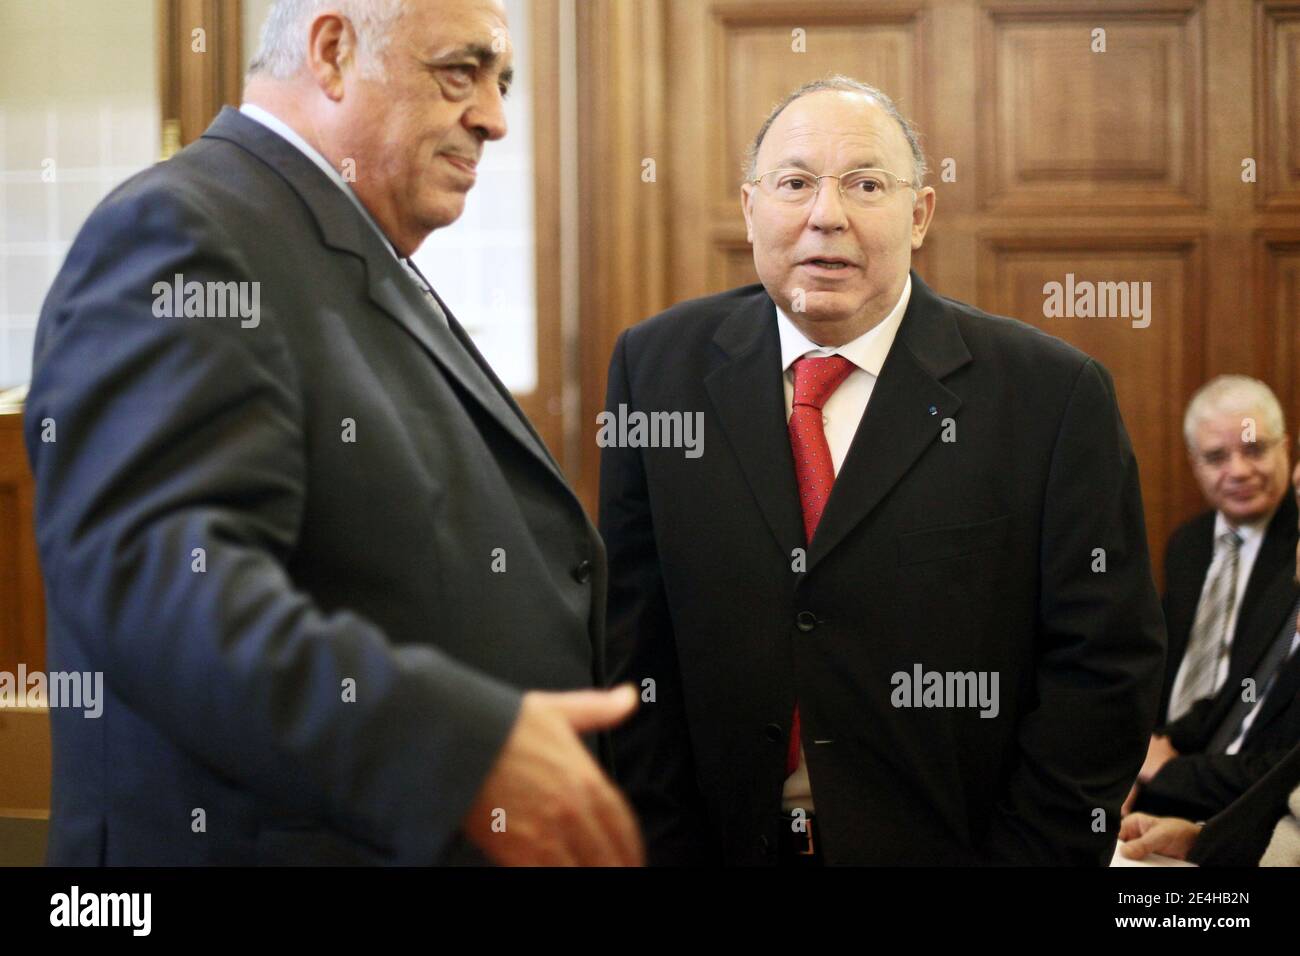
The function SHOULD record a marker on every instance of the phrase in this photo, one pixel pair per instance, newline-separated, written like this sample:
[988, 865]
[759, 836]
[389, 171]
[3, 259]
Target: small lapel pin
[934, 410]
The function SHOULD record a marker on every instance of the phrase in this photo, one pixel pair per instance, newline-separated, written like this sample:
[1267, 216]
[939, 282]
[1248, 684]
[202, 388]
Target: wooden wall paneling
[623, 217]
[1071, 129]
[22, 599]
[1277, 101]
[1276, 300]
[1155, 368]
[544, 406]
[193, 86]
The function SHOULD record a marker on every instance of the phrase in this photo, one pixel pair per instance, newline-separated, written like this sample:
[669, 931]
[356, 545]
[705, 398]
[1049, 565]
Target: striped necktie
[1208, 644]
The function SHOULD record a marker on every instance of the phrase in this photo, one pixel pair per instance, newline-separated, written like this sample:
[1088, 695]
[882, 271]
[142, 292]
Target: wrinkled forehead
[438, 27]
[847, 129]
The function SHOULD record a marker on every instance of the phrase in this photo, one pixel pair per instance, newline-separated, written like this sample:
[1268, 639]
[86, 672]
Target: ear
[331, 48]
[922, 214]
[746, 206]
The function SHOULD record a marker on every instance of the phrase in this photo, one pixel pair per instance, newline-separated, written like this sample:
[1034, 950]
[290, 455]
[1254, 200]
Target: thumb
[1134, 825]
[1154, 839]
[1138, 848]
[588, 710]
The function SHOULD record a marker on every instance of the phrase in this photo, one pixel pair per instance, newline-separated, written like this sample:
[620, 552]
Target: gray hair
[1234, 395]
[282, 52]
[843, 84]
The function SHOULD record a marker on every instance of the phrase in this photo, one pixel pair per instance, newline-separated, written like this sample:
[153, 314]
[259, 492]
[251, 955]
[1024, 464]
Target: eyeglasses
[861, 187]
[1251, 451]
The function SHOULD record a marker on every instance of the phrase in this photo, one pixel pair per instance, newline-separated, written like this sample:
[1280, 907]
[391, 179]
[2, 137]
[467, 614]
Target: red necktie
[815, 379]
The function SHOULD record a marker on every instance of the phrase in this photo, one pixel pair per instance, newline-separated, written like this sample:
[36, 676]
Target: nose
[486, 118]
[827, 213]
[1238, 466]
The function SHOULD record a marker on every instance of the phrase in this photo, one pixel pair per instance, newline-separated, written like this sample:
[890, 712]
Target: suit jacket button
[774, 733]
[805, 621]
[582, 573]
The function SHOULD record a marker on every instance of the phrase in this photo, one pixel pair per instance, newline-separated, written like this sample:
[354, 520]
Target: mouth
[828, 263]
[465, 165]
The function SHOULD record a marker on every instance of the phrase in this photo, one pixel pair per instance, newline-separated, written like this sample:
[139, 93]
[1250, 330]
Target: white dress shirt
[288, 133]
[840, 417]
[1252, 536]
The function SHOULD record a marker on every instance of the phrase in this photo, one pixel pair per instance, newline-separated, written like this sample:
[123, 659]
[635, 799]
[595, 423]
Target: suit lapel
[747, 393]
[1277, 549]
[1267, 620]
[1281, 696]
[905, 414]
[401, 301]
[388, 286]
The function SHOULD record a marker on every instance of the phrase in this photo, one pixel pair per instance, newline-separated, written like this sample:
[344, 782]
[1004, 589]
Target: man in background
[346, 608]
[1218, 564]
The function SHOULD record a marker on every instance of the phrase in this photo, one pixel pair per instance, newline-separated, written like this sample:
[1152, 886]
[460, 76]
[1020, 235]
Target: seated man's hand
[551, 802]
[1127, 808]
[1142, 834]
[1159, 752]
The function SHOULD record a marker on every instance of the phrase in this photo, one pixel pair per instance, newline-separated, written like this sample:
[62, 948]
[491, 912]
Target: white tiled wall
[483, 264]
[78, 99]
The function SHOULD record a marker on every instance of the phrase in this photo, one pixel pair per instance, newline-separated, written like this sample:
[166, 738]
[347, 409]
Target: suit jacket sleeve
[1197, 786]
[652, 751]
[1100, 647]
[1239, 835]
[168, 510]
[1193, 730]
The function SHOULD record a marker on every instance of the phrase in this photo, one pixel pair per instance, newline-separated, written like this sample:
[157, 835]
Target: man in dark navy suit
[346, 608]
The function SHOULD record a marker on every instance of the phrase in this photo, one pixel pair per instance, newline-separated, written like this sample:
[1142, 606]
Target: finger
[1134, 849]
[586, 833]
[619, 820]
[588, 710]
[593, 841]
[1136, 824]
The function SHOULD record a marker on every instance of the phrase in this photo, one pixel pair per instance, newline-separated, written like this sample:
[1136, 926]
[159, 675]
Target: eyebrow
[483, 53]
[796, 163]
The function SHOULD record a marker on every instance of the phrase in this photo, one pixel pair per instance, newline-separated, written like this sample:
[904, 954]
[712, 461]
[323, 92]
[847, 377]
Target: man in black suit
[1225, 744]
[1239, 835]
[333, 579]
[916, 535]
[1236, 443]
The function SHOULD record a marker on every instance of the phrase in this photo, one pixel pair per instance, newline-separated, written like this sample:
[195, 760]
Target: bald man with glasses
[900, 611]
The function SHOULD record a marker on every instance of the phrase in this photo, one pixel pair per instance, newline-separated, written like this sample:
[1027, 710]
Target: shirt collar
[287, 132]
[867, 351]
[1247, 532]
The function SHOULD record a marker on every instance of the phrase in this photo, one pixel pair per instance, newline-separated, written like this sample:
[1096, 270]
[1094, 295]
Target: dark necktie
[1264, 675]
[426, 288]
[815, 380]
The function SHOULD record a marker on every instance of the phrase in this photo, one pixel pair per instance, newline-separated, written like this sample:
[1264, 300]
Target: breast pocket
[953, 541]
